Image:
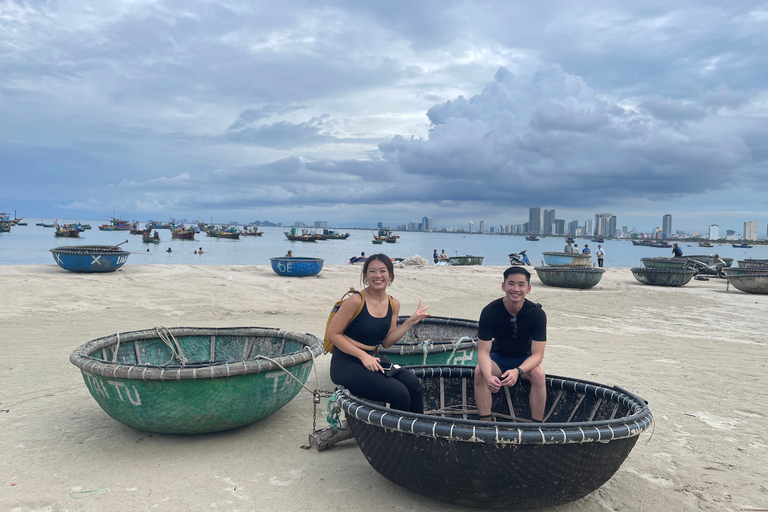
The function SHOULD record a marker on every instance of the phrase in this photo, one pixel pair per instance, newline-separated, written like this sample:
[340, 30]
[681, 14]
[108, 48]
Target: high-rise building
[750, 230]
[427, 223]
[559, 227]
[612, 226]
[471, 226]
[534, 220]
[587, 231]
[572, 227]
[714, 231]
[666, 226]
[603, 223]
[482, 226]
[549, 221]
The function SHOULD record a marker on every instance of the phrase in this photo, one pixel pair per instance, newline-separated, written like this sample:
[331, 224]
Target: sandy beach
[697, 354]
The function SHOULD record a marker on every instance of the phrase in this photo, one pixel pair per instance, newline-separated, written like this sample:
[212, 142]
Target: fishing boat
[305, 236]
[45, 225]
[385, 235]
[5, 222]
[251, 232]
[67, 231]
[567, 259]
[741, 246]
[652, 243]
[230, 232]
[465, 260]
[705, 244]
[570, 277]
[136, 230]
[749, 282]
[664, 262]
[598, 239]
[663, 276]
[119, 225]
[334, 235]
[149, 238]
[570, 240]
[377, 242]
[589, 429]
[296, 266]
[532, 238]
[90, 258]
[435, 340]
[187, 380]
[182, 232]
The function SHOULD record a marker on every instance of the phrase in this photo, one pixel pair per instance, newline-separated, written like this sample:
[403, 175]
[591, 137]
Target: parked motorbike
[702, 269]
[519, 259]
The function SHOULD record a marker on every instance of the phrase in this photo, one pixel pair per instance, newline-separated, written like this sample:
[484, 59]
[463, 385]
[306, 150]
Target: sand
[697, 354]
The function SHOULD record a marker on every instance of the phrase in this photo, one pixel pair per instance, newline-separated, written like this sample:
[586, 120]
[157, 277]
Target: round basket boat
[678, 263]
[436, 340]
[566, 259]
[588, 431]
[663, 276]
[745, 270]
[297, 266]
[90, 258]
[749, 262]
[753, 282]
[570, 277]
[187, 380]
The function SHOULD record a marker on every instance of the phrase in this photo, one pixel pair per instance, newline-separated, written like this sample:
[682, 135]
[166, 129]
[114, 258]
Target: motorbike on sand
[520, 258]
[702, 269]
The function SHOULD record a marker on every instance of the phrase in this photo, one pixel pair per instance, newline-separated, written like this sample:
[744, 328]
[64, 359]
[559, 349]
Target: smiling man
[512, 337]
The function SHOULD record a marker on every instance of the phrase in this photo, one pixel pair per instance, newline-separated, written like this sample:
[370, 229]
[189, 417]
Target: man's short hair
[517, 270]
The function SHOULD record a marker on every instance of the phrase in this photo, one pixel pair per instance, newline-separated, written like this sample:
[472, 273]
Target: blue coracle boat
[90, 258]
[296, 266]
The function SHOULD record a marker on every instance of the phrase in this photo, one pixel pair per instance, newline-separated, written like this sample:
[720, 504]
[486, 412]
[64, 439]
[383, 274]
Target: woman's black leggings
[402, 391]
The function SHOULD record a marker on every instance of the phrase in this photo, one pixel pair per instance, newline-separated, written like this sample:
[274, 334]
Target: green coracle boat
[676, 263]
[436, 340]
[190, 380]
[465, 260]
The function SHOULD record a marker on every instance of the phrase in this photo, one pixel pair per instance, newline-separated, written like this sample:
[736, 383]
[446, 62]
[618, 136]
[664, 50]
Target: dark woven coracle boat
[588, 431]
[752, 262]
[90, 258]
[191, 380]
[678, 263]
[436, 340]
[749, 282]
[570, 277]
[663, 276]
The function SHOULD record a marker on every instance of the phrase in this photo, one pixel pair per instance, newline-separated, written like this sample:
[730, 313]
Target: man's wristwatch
[520, 371]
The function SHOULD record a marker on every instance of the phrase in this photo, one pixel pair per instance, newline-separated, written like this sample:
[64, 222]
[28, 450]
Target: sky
[356, 112]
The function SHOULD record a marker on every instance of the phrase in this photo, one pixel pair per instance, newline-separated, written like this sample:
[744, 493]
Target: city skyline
[337, 111]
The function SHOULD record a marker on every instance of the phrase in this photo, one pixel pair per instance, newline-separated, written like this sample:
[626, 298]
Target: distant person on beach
[568, 248]
[289, 254]
[576, 249]
[600, 253]
[586, 249]
[435, 256]
[676, 251]
[195, 251]
[169, 250]
[511, 341]
[355, 364]
[200, 251]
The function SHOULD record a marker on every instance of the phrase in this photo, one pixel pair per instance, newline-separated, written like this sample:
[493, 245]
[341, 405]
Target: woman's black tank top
[368, 329]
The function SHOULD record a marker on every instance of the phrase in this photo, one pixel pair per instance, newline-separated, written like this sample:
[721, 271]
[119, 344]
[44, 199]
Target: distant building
[572, 227]
[482, 226]
[666, 226]
[714, 231]
[729, 232]
[587, 230]
[427, 223]
[559, 227]
[471, 226]
[549, 221]
[321, 223]
[603, 223]
[750, 230]
[534, 220]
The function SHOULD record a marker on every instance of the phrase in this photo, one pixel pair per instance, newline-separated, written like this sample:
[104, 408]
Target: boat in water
[305, 236]
[741, 246]
[511, 463]
[385, 235]
[532, 238]
[68, 230]
[652, 243]
[149, 238]
[182, 232]
[705, 244]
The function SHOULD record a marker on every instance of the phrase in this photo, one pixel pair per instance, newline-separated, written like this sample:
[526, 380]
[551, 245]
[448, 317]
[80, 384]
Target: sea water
[29, 245]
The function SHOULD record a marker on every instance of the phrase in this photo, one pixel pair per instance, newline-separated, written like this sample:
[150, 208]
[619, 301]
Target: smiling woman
[365, 321]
